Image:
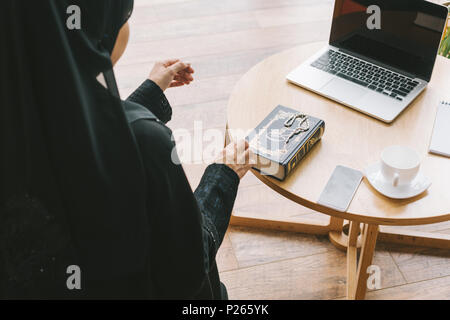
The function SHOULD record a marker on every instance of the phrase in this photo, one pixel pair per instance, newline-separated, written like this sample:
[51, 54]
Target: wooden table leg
[365, 260]
[336, 224]
[352, 259]
[339, 238]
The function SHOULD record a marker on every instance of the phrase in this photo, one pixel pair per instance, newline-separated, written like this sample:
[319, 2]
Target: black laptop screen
[403, 34]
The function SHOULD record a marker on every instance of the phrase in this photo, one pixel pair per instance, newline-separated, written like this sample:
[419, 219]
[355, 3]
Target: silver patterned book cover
[282, 139]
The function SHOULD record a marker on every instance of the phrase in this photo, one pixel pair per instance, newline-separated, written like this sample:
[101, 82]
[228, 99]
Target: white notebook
[440, 141]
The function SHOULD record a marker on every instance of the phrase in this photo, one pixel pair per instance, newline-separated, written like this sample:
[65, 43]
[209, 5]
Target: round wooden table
[354, 140]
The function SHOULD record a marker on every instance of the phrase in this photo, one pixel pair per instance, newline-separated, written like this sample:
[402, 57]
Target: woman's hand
[238, 157]
[171, 73]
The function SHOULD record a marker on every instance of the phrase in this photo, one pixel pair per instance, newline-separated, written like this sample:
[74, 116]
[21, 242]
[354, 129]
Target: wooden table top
[351, 139]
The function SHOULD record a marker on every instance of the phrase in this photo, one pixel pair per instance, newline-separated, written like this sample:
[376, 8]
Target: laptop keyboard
[368, 75]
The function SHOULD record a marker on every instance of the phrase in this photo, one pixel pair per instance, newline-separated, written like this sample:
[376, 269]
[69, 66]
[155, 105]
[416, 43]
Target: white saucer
[376, 179]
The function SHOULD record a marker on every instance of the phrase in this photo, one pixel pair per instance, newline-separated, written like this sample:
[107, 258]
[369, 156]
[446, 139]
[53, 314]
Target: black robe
[83, 182]
[214, 196]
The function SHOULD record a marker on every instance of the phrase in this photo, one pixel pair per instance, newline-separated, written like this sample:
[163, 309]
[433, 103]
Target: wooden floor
[223, 40]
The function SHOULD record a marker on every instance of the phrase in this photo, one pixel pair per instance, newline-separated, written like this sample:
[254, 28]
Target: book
[440, 142]
[278, 150]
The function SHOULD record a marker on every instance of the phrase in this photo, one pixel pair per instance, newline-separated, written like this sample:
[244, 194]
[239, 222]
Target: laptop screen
[402, 34]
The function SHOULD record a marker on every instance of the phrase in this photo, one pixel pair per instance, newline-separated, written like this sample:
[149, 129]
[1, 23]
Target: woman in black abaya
[88, 179]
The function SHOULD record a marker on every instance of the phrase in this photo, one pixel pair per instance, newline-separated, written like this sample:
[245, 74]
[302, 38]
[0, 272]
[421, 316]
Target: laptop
[380, 55]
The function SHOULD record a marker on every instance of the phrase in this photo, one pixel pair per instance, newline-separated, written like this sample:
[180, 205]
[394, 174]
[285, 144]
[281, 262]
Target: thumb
[177, 67]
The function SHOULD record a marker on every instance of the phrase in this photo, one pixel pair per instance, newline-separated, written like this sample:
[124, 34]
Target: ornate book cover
[280, 146]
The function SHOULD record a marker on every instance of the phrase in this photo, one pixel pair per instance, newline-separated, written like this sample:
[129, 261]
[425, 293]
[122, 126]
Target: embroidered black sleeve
[215, 196]
[150, 95]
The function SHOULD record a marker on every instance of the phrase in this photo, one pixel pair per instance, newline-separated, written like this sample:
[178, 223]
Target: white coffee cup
[399, 165]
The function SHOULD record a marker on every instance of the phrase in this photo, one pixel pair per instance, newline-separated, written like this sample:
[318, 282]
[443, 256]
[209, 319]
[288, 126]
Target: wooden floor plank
[199, 8]
[435, 289]
[320, 276]
[226, 259]
[435, 227]
[145, 30]
[226, 42]
[210, 114]
[294, 14]
[269, 203]
[418, 264]
[254, 247]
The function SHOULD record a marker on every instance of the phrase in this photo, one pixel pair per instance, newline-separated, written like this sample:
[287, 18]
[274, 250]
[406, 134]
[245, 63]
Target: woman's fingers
[169, 62]
[237, 152]
[177, 67]
[186, 75]
[243, 158]
[247, 159]
[189, 69]
[186, 72]
[238, 157]
[241, 149]
[179, 72]
[171, 73]
[183, 78]
[175, 84]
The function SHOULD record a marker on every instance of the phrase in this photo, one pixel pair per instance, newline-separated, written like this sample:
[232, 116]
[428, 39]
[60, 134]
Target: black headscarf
[71, 174]
[119, 13]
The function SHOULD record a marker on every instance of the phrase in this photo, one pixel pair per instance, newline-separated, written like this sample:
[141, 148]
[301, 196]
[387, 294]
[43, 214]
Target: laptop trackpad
[343, 90]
